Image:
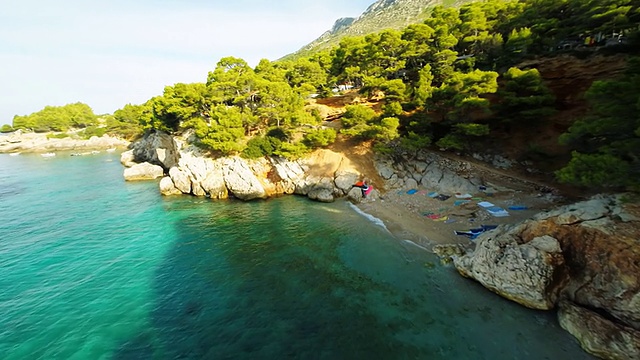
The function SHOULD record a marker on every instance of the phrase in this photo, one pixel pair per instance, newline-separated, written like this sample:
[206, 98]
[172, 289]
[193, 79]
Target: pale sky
[113, 52]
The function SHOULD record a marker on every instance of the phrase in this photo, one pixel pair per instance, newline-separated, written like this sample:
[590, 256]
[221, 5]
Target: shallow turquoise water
[96, 268]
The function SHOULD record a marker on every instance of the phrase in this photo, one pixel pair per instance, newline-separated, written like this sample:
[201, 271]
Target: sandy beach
[412, 214]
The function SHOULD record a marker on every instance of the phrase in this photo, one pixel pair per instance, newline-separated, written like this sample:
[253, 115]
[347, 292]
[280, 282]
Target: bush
[597, 170]
[414, 142]
[451, 141]
[320, 138]
[92, 131]
[291, 151]
[260, 146]
[58, 136]
[473, 129]
[6, 128]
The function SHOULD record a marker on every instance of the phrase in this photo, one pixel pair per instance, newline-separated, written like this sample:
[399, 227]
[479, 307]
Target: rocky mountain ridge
[382, 14]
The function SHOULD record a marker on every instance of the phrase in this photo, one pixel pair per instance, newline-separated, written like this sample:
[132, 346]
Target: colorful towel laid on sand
[412, 191]
[485, 204]
[461, 202]
[497, 211]
[463, 196]
[432, 194]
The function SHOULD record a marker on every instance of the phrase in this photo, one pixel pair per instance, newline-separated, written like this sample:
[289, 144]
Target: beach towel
[432, 194]
[450, 221]
[412, 191]
[433, 216]
[485, 204]
[517, 207]
[461, 202]
[442, 197]
[442, 218]
[463, 196]
[497, 211]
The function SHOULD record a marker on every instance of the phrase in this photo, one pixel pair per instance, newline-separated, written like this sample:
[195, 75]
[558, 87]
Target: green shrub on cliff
[320, 138]
[6, 128]
[607, 141]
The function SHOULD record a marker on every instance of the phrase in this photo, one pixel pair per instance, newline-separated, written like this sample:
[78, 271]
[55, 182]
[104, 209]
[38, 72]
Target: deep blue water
[95, 268]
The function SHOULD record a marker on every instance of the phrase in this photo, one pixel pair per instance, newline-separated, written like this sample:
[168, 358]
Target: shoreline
[404, 215]
[41, 143]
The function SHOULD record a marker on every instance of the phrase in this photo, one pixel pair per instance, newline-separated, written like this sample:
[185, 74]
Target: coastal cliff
[583, 258]
[322, 176]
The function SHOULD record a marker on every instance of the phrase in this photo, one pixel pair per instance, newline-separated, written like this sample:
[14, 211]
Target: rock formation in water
[323, 176]
[585, 257]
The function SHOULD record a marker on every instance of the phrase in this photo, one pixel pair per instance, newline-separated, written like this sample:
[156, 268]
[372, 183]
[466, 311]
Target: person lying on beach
[364, 187]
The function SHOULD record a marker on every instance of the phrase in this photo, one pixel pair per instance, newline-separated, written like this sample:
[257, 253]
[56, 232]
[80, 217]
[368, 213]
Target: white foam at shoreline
[414, 244]
[370, 217]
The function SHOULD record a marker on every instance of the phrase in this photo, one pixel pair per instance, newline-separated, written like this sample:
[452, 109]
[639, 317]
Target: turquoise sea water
[92, 267]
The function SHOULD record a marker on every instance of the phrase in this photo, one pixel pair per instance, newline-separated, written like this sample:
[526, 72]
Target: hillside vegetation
[450, 82]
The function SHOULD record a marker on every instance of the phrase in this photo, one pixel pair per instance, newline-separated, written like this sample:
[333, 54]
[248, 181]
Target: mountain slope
[383, 14]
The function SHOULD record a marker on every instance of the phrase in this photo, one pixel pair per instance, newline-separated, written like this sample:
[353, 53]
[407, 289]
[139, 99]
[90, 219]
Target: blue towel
[517, 207]
[497, 211]
[412, 191]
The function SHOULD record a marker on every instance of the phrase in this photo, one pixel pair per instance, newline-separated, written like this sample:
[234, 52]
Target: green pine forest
[447, 83]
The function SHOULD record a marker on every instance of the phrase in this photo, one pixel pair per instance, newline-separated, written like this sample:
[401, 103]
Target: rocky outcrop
[530, 273]
[599, 335]
[430, 171]
[587, 254]
[158, 148]
[241, 181]
[144, 171]
[323, 176]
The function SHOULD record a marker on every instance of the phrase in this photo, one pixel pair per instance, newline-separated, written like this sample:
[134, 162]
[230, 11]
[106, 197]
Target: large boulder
[158, 148]
[214, 185]
[127, 159]
[144, 171]
[599, 335]
[241, 181]
[181, 179]
[600, 239]
[530, 273]
[587, 253]
[322, 190]
[167, 187]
